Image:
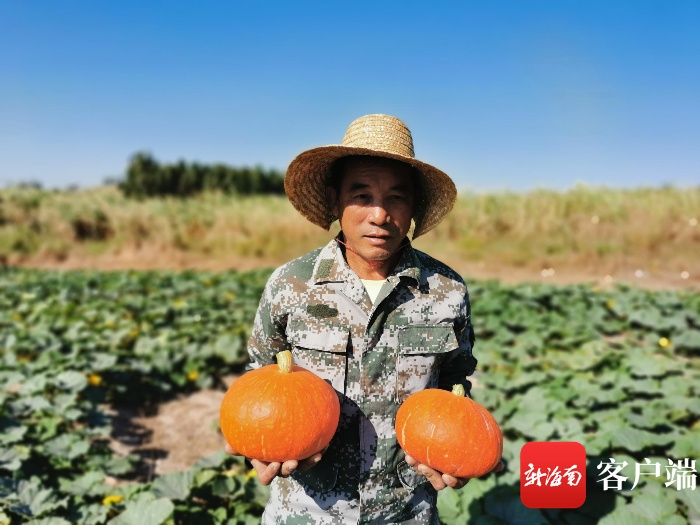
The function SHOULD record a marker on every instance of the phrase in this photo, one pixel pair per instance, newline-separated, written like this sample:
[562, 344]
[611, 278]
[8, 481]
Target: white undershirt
[373, 287]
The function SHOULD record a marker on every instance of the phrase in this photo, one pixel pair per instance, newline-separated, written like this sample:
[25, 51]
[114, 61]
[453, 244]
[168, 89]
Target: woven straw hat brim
[307, 175]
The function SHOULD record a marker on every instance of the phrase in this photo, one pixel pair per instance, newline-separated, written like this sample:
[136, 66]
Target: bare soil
[173, 439]
[634, 273]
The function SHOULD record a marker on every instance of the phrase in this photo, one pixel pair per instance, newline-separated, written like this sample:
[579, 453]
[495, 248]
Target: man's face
[374, 206]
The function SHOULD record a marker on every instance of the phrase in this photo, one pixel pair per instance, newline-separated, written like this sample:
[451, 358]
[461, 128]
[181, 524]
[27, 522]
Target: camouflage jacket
[417, 335]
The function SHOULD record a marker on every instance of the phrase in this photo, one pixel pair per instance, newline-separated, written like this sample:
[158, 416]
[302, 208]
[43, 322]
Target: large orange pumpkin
[279, 412]
[449, 432]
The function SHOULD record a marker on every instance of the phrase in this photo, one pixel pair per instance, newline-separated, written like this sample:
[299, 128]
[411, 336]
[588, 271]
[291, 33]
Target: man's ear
[332, 199]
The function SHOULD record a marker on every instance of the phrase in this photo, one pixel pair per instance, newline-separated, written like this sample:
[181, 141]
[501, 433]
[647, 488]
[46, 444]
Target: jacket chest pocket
[422, 349]
[321, 347]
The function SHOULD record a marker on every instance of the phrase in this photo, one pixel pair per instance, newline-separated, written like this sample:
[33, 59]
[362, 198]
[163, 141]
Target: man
[374, 317]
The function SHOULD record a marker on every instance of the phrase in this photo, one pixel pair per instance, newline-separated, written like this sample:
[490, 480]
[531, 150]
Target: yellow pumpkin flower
[192, 375]
[112, 499]
[95, 379]
[664, 342]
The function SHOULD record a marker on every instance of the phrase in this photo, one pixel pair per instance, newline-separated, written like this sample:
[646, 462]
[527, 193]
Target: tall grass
[593, 227]
[585, 225]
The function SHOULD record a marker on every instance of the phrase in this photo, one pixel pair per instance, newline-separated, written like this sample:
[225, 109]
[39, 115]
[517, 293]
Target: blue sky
[499, 94]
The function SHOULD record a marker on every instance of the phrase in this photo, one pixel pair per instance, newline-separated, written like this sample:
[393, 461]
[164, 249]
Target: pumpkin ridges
[474, 450]
[492, 426]
[450, 416]
[308, 425]
[278, 416]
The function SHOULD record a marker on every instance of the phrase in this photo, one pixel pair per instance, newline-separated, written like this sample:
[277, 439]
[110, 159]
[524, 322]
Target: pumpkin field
[617, 370]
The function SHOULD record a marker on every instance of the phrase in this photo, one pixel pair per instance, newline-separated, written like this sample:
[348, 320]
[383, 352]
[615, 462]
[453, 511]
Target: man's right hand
[268, 471]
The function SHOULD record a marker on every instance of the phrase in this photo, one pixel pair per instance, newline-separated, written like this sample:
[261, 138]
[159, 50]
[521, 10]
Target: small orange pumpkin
[279, 412]
[449, 432]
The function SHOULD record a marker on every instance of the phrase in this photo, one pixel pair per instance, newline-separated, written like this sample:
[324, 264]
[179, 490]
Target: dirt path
[635, 273]
[172, 440]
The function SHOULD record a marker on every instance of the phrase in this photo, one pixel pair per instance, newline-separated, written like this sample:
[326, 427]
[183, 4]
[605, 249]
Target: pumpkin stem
[285, 361]
[458, 390]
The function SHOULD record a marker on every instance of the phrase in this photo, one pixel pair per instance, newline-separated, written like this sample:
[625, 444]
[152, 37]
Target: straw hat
[378, 136]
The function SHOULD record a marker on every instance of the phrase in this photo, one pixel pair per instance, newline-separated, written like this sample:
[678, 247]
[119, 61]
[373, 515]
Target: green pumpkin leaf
[173, 486]
[657, 367]
[645, 420]
[231, 348]
[646, 318]
[214, 460]
[655, 507]
[526, 423]
[205, 476]
[85, 484]
[49, 521]
[451, 507]
[11, 458]
[71, 380]
[95, 514]
[687, 444]
[101, 361]
[33, 385]
[461, 506]
[29, 404]
[67, 446]
[507, 506]
[690, 498]
[675, 520]
[145, 510]
[33, 500]
[687, 342]
[11, 431]
[624, 516]
[634, 439]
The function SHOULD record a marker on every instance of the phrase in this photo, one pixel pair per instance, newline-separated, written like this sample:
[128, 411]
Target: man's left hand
[439, 480]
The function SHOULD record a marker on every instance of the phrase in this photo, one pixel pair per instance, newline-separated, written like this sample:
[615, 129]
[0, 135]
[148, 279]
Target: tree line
[146, 177]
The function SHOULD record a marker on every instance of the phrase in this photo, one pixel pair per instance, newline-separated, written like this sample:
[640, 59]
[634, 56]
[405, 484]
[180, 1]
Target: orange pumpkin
[449, 432]
[279, 412]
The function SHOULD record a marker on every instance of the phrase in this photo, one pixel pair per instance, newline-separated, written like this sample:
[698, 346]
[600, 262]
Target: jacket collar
[331, 265]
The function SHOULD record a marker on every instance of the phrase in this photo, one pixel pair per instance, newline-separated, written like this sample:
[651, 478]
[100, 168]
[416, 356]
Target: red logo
[553, 475]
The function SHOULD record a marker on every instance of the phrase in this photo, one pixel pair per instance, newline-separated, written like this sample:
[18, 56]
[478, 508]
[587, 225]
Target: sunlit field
[589, 231]
[614, 368]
